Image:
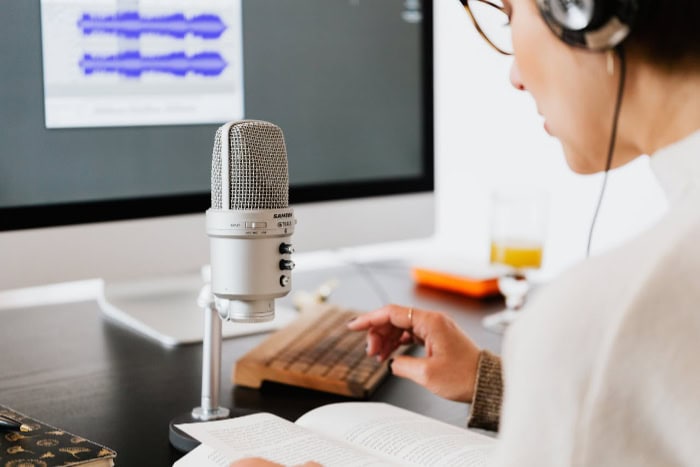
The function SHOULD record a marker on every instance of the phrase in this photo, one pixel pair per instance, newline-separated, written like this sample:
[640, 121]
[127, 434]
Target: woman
[603, 367]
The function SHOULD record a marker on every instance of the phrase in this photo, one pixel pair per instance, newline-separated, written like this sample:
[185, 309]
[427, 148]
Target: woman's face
[572, 88]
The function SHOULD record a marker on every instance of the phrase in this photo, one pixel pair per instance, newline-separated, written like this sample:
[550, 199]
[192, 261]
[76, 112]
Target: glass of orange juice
[518, 228]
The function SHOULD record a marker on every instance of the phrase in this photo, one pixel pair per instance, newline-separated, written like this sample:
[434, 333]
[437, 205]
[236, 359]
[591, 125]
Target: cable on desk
[372, 281]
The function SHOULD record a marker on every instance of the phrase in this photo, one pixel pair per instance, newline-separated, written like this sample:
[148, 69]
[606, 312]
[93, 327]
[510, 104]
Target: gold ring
[410, 318]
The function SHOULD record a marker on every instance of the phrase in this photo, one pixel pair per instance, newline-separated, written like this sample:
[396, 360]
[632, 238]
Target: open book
[342, 434]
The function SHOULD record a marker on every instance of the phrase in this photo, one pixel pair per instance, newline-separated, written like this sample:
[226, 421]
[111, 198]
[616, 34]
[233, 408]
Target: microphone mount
[209, 408]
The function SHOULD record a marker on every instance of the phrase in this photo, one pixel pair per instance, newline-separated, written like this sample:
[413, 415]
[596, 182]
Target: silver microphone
[250, 223]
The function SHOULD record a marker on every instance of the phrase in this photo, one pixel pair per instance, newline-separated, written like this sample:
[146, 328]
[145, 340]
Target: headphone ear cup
[572, 15]
[590, 24]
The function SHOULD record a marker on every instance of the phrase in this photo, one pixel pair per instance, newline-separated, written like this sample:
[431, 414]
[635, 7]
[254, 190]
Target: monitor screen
[108, 111]
[109, 107]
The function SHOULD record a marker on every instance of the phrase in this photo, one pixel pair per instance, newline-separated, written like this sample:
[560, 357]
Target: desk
[68, 366]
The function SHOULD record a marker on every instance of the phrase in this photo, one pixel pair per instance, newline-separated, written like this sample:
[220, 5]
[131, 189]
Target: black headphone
[590, 24]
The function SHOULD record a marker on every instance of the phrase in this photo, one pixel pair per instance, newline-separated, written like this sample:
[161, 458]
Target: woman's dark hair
[667, 33]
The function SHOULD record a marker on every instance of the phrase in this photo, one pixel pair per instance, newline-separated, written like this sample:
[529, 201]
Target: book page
[406, 437]
[203, 456]
[274, 438]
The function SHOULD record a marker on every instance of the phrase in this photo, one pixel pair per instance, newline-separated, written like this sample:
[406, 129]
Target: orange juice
[517, 255]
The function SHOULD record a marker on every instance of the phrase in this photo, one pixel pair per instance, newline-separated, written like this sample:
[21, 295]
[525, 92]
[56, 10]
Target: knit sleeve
[488, 393]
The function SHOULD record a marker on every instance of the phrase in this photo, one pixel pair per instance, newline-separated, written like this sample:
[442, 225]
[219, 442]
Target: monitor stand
[165, 309]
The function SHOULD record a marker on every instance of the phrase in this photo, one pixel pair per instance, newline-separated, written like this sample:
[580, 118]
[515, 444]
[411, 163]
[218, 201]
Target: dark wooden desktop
[69, 366]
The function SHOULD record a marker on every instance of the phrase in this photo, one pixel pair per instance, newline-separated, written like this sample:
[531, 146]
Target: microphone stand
[211, 376]
[211, 360]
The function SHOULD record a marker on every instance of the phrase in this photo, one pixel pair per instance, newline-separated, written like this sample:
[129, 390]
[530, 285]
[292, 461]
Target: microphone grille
[257, 166]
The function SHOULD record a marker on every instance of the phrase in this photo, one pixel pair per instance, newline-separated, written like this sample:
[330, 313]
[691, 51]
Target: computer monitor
[108, 111]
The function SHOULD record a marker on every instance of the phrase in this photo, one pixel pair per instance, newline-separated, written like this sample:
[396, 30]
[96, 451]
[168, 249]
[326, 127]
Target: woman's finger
[398, 316]
[371, 319]
[412, 368]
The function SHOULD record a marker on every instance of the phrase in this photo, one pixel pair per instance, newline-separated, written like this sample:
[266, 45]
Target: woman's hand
[255, 462]
[260, 462]
[451, 358]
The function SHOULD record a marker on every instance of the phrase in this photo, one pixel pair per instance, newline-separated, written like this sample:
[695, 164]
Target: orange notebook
[473, 283]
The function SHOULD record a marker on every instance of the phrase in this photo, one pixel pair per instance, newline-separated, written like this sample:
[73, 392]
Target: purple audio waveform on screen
[132, 64]
[132, 25]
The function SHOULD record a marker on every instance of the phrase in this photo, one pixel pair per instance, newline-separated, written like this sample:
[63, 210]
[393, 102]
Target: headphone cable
[611, 147]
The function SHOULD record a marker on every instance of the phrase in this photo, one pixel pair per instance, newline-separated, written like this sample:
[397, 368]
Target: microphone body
[250, 223]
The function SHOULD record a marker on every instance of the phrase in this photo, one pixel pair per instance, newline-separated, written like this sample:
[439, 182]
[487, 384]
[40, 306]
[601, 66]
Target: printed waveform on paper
[132, 25]
[153, 62]
[133, 64]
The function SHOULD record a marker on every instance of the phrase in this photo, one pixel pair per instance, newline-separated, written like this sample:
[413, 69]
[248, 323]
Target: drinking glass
[518, 226]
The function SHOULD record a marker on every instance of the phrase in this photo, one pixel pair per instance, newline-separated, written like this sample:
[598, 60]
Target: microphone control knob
[286, 265]
[286, 249]
[284, 281]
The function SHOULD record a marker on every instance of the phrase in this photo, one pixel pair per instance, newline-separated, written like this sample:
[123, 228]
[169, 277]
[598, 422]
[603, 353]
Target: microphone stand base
[207, 415]
[184, 442]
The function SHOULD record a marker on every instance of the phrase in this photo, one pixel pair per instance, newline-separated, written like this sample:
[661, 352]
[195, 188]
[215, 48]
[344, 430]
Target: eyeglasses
[492, 21]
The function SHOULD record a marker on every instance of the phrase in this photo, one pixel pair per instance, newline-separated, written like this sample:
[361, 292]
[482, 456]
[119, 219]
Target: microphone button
[286, 249]
[286, 265]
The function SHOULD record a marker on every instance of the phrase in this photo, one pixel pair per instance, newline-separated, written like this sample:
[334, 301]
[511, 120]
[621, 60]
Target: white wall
[489, 135]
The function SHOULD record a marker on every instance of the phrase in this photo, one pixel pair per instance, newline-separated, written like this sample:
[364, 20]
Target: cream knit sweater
[603, 368]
